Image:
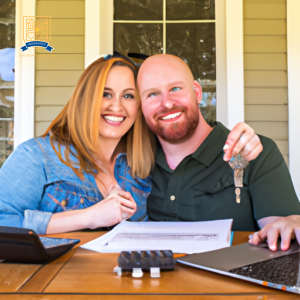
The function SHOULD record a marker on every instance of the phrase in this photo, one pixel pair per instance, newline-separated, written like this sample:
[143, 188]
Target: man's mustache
[164, 111]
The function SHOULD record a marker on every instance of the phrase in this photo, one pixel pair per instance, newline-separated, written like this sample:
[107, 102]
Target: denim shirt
[34, 184]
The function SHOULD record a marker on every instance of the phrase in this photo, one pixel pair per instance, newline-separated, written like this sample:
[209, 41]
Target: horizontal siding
[67, 27]
[265, 61]
[57, 74]
[268, 9]
[47, 113]
[65, 44]
[53, 95]
[265, 44]
[41, 127]
[265, 27]
[265, 78]
[267, 95]
[277, 131]
[265, 70]
[57, 78]
[61, 9]
[265, 113]
[60, 62]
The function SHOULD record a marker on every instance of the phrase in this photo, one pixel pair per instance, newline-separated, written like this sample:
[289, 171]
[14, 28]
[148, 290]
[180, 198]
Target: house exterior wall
[56, 74]
[265, 70]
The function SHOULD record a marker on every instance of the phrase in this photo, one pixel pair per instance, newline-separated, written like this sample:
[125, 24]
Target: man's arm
[242, 139]
[275, 204]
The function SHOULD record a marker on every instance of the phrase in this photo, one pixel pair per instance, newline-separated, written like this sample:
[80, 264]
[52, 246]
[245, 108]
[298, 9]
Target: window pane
[6, 143]
[138, 38]
[138, 10]
[195, 44]
[7, 54]
[190, 10]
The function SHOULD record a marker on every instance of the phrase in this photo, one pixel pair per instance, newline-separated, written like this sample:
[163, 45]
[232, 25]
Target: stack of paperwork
[180, 237]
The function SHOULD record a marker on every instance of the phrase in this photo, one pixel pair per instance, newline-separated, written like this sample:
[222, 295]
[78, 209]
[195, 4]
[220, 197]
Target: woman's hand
[118, 206]
[242, 140]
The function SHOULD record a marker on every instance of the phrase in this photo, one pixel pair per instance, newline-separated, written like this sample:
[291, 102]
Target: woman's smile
[113, 120]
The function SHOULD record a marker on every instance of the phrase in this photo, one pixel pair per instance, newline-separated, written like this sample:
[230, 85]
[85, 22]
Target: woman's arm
[117, 206]
[22, 181]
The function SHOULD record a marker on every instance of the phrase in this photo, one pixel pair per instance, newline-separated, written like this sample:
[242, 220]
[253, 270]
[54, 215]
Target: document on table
[180, 237]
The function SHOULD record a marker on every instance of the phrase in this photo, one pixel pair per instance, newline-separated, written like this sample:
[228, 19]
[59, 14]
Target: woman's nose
[116, 104]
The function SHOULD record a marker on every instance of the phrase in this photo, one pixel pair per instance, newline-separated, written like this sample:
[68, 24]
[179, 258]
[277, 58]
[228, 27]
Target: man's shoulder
[222, 128]
[270, 158]
[269, 146]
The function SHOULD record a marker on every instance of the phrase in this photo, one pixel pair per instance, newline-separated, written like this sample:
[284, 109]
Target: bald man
[191, 180]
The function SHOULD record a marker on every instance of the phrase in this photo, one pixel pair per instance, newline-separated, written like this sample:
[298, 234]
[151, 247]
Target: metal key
[237, 193]
[238, 164]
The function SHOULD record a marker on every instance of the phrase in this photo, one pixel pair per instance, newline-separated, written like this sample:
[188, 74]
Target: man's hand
[274, 227]
[242, 140]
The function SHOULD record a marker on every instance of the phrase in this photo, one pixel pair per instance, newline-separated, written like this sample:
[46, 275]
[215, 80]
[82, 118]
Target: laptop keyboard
[282, 270]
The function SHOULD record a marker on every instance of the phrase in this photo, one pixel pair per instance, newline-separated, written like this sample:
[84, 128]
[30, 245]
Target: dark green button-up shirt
[201, 188]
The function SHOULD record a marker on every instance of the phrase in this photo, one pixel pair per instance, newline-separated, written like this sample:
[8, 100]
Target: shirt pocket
[201, 193]
[64, 196]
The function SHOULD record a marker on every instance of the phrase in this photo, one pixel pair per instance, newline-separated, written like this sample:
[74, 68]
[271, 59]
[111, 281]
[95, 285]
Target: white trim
[164, 27]
[98, 29]
[293, 55]
[221, 71]
[235, 62]
[24, 78]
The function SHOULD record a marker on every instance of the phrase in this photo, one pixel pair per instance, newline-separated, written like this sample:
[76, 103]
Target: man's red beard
[179, 131]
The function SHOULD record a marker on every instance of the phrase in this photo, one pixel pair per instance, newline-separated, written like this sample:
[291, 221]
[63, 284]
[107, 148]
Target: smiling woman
[119, 103]
[91, 167]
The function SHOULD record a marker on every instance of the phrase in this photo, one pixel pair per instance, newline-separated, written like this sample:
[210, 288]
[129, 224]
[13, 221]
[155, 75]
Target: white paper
[180, 237]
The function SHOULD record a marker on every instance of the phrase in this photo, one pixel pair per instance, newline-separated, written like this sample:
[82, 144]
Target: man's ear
[197, 90]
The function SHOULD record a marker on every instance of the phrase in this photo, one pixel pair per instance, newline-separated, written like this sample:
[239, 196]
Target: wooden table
[84, 274]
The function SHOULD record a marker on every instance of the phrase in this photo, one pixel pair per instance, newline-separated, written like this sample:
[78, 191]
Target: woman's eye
[129, 96]
[106, 95]
[174, 89]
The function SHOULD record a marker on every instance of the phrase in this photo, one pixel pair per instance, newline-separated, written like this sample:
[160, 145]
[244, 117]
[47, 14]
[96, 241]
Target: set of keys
[238, 164]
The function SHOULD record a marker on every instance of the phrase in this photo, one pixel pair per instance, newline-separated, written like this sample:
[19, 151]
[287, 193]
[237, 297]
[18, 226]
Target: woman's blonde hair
[78, 125]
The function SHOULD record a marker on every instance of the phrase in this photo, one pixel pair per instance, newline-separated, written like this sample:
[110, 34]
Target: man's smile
[171, 116]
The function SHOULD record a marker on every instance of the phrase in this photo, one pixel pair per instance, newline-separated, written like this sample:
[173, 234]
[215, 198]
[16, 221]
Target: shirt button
[172, 197]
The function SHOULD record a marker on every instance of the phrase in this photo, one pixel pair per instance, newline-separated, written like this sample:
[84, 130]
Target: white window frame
[229, 55]
[293, 55]
[24, 78]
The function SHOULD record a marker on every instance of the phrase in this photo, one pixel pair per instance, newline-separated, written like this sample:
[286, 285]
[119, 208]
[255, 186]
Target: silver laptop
[279, 270]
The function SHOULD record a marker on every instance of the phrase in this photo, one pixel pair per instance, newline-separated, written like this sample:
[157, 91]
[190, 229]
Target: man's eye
[152, 95]
[129, 96]
[174, 89]
[106, 95]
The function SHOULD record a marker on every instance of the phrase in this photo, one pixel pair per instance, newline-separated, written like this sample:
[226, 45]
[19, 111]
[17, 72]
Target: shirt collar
[212, 146]
[207, 152]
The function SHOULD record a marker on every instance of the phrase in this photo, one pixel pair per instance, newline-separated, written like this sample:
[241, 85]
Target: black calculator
[22, 245]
